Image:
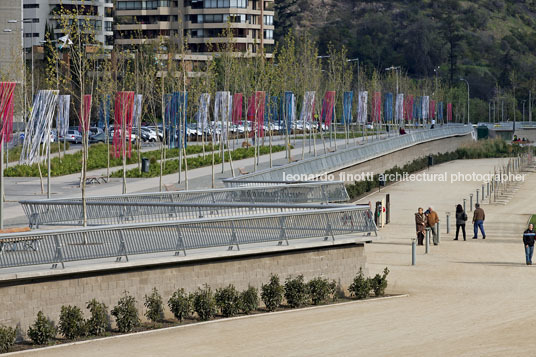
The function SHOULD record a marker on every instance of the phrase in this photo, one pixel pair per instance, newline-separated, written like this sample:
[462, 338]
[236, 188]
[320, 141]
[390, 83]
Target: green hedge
[172, 166]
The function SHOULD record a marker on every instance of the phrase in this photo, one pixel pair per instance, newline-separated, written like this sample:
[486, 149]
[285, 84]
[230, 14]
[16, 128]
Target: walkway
[471, 298]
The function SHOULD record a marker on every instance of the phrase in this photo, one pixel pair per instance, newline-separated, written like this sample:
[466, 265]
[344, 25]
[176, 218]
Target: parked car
[148, 134]
[133, 137]
[73, 136]
[97, 138]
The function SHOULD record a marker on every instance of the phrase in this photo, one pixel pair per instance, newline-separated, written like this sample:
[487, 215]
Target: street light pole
[468, 117]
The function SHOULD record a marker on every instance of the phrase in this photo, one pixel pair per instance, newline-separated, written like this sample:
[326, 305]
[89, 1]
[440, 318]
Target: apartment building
[39, 13]
[10, 40]
[203, 21]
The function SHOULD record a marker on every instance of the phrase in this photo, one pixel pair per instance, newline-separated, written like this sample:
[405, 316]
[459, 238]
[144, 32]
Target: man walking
[528, 240]
[478, 221]
[432, 219]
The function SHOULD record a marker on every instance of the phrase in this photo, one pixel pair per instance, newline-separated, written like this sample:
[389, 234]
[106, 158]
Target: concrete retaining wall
[22, 298]
[401, 157]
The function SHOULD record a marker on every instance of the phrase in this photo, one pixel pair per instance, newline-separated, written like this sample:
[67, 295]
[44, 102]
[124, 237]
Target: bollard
[448, 222]
[477, 190]
[471, 202]
[482, 193]
[488, 190]
[427, 243]
[437, 232]
[464, 205]
[413, 252]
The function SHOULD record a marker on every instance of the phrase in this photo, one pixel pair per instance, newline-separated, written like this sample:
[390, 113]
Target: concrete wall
[22, 298]
[402, 157]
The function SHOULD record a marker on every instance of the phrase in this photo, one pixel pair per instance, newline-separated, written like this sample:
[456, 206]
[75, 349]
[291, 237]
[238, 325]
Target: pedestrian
[431, 221]
[528, 240]
[478, 221]
[420, 224]
[461, 218]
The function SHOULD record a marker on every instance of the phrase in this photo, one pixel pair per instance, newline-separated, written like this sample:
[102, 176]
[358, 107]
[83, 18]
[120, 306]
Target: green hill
[491, 43]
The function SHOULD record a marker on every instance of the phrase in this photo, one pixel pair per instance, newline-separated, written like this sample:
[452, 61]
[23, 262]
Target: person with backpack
[528, 241]
[461, 218]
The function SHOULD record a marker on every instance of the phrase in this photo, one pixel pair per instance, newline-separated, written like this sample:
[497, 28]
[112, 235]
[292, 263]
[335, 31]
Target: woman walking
[461, 218]
[420, 225]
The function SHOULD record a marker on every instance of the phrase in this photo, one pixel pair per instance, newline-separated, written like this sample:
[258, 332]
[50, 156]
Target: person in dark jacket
[420, 225]
[461, 218]
[528, 241]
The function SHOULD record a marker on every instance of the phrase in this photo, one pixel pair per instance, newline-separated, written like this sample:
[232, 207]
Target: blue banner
[388, 116]
[440, 111]
[347, 107]
[176, 106]
[288, 111]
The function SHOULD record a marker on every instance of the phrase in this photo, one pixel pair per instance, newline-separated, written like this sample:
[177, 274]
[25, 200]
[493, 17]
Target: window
[268, 20]
[224, 4]
[30, 6]
[268, 34]
[108, 26]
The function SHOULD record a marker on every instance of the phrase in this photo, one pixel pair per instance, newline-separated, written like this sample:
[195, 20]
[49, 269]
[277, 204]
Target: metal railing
[317, 166]
[77, 244]
[67, 213]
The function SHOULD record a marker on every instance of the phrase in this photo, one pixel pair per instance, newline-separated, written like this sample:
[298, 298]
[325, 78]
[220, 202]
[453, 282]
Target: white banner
[306, 115]
[136, 120]
[362, 107]
[202, 112]
[425, 107]
[223, 106]
[399, 108]
[62, 117]
[37, 130]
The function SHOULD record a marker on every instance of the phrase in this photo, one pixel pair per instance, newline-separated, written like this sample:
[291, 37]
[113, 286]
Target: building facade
[204, 22]
[40, 13]
[11, 54]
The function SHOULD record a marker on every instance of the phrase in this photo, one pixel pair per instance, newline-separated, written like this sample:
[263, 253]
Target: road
[471, 298]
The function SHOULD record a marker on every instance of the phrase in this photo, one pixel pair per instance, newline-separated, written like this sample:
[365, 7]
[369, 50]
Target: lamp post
[524, 109]
[468, 117]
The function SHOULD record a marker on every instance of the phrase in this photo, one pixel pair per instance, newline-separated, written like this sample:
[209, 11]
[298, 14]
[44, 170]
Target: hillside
[488, 42]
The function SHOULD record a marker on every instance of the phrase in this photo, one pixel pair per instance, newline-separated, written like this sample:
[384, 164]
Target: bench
[242, 171]
[95, 179]
[331, 149]
[11, 244]
[170, 187]
[293, 159]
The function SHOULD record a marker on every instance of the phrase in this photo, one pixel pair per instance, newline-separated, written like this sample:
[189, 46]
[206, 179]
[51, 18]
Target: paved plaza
[469, 298]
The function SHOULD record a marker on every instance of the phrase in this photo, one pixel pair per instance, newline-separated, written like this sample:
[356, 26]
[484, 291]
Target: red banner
[328, 105]
[377, 107]
[256, 106]
[6, 110]
[83, 126]
[124, 108]
[432, 109]
[237, 108]
[408, 108]
[449, 111]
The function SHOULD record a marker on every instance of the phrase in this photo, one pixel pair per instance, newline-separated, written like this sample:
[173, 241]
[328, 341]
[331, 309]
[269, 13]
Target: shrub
[7, 338]
[126, 313]
[204, 304]
[379, 283]
[72, 323]
[42, 330]
[320, 289]
[99, 322]
[360, 288]
[249, 300]
[155, 306]
[180, 304]
[296, 292]
[227, 300]
[272, 293]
